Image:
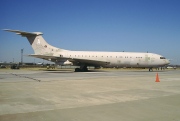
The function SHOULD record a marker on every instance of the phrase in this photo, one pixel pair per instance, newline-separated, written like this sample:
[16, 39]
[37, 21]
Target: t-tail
[39, 45]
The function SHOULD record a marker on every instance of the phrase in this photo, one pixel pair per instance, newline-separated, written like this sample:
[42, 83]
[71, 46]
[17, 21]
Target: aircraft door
[146, 59]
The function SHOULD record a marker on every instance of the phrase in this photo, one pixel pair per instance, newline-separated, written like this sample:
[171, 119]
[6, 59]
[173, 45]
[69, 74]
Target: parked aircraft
[84, 59]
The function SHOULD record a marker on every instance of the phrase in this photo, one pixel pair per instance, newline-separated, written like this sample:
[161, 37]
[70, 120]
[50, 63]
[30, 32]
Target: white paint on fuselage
[120, 59]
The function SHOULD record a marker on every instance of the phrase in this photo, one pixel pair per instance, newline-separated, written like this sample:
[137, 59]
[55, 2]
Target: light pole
[22, 56]
[34, 61]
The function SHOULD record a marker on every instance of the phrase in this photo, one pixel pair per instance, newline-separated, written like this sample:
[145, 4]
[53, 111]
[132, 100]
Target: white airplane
[83, 59]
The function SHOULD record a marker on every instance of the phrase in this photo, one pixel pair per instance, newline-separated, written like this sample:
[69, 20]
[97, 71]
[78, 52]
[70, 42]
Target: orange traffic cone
[157, 78]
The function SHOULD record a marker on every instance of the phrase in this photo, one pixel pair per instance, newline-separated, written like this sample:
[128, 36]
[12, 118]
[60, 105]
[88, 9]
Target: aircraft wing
[75, 61]
[88, 62]
[46, 57]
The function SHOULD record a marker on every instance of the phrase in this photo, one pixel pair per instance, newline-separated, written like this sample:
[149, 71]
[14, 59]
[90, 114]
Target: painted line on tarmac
[26, 77]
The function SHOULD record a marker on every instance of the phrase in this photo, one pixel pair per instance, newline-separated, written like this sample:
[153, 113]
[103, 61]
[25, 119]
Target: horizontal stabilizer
[24, 33]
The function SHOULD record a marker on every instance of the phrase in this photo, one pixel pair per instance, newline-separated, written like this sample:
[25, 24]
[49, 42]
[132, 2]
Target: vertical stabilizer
[39, 45]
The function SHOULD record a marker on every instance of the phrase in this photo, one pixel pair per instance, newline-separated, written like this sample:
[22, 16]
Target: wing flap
[89, 62]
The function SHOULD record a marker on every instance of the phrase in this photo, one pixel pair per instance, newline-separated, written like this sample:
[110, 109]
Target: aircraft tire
[77, 70]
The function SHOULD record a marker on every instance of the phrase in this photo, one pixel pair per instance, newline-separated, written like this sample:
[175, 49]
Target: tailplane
[39, 45]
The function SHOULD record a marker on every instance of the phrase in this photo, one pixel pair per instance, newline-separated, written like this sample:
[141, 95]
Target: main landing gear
[82, 68]
[150, 69]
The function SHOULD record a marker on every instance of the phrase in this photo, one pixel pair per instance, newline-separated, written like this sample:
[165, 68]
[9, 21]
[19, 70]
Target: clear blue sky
[97, 25]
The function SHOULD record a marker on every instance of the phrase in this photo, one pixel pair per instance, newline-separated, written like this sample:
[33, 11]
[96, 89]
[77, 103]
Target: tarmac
[98, 95]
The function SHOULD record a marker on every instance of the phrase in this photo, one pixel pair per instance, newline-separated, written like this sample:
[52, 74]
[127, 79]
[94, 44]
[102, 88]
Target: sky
[92, 25]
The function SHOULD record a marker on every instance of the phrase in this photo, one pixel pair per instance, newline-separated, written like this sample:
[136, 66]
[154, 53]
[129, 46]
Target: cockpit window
[162, 58]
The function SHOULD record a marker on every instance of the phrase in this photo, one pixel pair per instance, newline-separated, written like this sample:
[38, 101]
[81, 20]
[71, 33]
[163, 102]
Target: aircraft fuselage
[119, 59]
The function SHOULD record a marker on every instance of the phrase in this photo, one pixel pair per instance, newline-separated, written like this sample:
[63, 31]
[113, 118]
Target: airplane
[83, 59]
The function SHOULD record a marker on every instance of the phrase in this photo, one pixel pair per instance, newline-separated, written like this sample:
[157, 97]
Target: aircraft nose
[167, 61]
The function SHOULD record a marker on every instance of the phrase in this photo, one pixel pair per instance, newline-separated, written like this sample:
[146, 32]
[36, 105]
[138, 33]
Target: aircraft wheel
[150, 69]
[77, 69]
